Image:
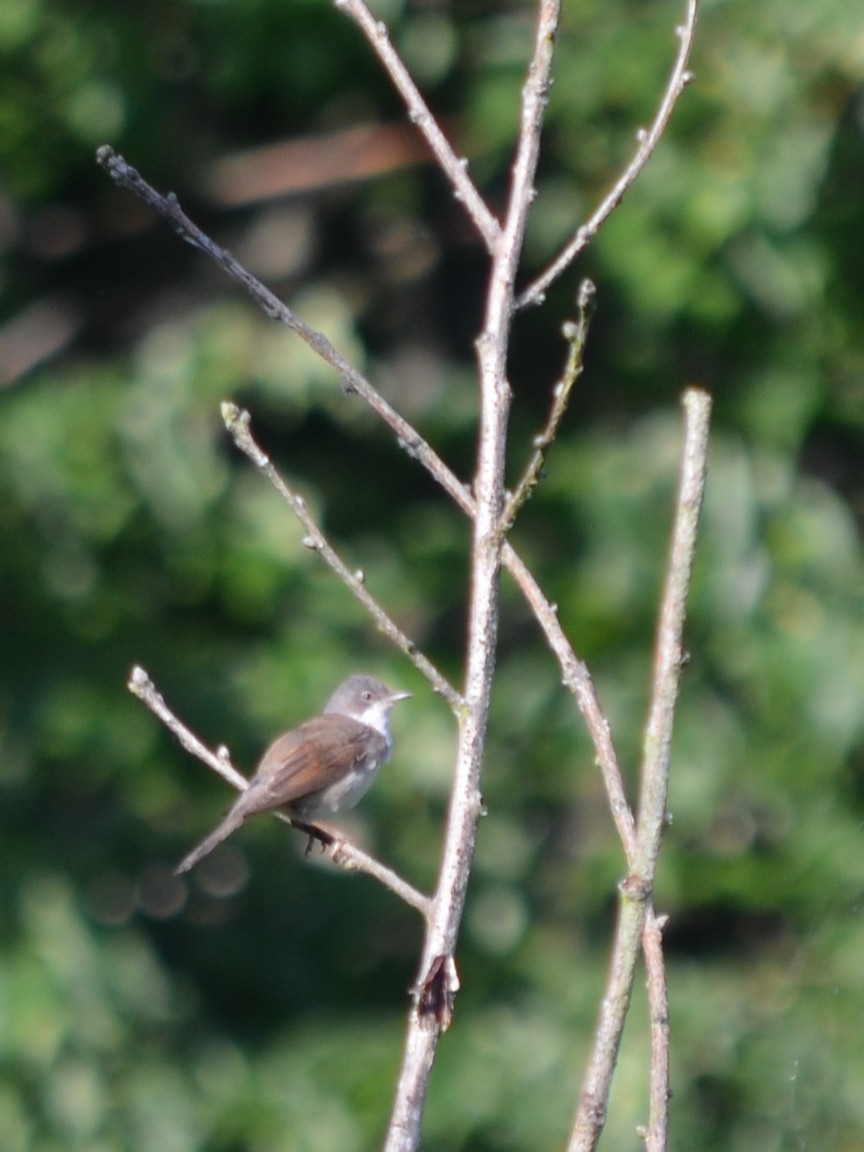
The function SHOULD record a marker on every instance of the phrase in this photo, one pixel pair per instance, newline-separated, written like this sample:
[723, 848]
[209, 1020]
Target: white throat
[377, 716]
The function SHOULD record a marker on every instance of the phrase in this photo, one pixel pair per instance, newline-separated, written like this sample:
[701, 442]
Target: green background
[261, 1006]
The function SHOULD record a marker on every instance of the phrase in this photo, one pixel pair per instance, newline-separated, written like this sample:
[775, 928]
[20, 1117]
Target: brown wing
[309, 759]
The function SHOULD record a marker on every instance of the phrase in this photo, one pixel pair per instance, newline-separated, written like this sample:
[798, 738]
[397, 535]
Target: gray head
[366, 699]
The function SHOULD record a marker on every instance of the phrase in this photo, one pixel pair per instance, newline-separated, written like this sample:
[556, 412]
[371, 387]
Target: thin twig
[648, 140]
[454, 168]
[342, 851]
[140, 685]
[636, 889]
[237, 423]
[576, 335]
[577, 680]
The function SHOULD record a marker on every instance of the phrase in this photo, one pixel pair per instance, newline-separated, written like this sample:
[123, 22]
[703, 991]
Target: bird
[321, 767]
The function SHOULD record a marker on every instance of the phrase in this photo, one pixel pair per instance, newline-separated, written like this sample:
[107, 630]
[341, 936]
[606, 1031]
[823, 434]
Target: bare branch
[354, 859]
[168, 207]
[237, 423]
[669, 653]
[594, 1100]
[636, 889]
[140, 685]
[454, 168]
[648, 141]
[576, 335]
[342, 851]
[658, 1001]
[435, 983]
[577, 680]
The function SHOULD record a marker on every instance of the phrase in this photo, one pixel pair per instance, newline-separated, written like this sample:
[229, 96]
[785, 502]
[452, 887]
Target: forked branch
[648, 139]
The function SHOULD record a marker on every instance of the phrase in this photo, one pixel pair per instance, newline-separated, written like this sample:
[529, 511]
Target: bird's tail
[230, 824]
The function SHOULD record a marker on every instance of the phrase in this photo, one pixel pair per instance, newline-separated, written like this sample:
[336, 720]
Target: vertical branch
[658, 1006]
[636, 889]
[437, 981]
[669, 652]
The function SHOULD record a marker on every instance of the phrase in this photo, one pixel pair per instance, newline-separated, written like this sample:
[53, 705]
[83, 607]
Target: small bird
[323, 766]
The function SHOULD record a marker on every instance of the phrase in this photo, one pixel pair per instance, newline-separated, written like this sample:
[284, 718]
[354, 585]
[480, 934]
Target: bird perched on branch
[319, 768]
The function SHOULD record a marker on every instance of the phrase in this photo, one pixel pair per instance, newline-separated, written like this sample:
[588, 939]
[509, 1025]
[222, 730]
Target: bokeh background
[259, 1007]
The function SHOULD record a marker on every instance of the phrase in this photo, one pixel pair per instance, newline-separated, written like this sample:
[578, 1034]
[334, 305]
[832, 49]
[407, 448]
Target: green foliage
[261, 1007]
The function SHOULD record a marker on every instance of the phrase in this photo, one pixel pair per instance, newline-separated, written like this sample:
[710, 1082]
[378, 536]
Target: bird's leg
[314, 832]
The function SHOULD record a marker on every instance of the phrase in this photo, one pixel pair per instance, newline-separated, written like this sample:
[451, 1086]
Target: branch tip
[104, 155]
[231, 414]
[587, 293]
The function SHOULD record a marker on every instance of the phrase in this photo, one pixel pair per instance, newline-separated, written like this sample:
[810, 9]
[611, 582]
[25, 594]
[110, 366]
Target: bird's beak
[395, 697]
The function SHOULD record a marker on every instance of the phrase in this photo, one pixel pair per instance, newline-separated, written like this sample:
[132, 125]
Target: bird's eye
[367, 696]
